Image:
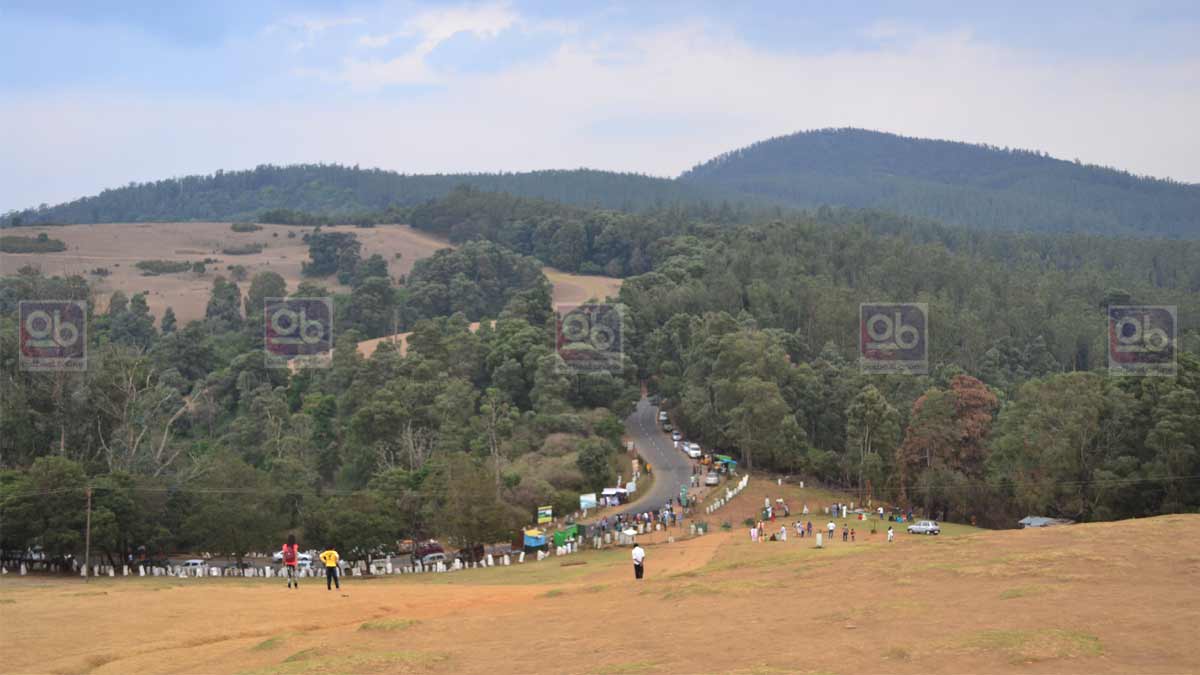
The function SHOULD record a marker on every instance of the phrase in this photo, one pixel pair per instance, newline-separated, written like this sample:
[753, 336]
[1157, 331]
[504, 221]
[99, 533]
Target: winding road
[670, 466]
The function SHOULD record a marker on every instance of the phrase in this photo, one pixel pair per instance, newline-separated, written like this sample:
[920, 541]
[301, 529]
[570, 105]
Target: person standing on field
[639, 560]
[291, 554]
[330, 558]
[891, 534]
[832, 528]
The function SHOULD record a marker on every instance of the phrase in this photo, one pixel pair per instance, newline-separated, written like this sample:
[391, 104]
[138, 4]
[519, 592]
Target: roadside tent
[614, 496]
[561, 537]
[535, 539]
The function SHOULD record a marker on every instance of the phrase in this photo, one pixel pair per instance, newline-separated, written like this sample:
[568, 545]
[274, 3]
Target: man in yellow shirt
[330, 557]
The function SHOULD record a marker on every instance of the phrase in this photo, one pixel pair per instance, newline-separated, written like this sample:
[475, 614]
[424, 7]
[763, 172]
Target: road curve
[671, 467]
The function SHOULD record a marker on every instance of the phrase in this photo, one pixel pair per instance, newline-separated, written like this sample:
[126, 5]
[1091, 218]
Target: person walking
[639, 561]
[331, 558]
[891, 534]
[291, 555]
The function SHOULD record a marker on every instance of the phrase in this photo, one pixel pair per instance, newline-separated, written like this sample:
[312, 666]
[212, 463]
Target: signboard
[545, 514]
[587, 501]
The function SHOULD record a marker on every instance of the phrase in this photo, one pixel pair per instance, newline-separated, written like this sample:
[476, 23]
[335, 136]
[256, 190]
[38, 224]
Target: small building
[1041, 521]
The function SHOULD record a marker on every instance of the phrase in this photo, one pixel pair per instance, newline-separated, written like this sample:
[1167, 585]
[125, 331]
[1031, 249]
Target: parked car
[924, 527]
[676, 436]
[662, 416]
[712, 478]
[192, 564]
[278, 557]
[668, 427]
[433, 558]
[693, 450]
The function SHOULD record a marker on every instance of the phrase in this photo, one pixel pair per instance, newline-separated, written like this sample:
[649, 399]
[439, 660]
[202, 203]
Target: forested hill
[956, 183]
[335, 190]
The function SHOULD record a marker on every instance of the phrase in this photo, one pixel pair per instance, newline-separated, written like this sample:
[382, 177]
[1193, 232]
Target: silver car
[924, 527]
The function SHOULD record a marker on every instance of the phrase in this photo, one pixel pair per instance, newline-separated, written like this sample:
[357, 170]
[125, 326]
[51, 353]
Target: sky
[97, 95]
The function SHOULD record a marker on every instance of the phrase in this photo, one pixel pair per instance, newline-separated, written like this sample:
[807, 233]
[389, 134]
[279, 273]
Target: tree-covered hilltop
[951, 182]
[956, 183]
[343, 193]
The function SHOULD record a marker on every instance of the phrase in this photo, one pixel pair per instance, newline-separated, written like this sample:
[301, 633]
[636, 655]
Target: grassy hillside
[952, 182]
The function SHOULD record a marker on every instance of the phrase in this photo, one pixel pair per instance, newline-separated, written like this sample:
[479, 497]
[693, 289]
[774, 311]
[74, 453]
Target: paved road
[671, 467]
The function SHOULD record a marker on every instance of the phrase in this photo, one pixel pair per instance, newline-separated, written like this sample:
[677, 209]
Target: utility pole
[87, 540]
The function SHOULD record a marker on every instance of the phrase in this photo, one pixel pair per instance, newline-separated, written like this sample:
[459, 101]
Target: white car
[192, 564]
[662, 416]
[676, 436]
[300, 557]
[433, 558]
[712, 478]
[924, 527]
[693, 450]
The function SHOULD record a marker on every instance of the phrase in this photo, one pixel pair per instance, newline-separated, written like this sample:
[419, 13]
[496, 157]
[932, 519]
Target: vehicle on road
[712, 478]
[278, 557]
[924, 527]
[433, 558]
[668, 427]
[676, 436]
[192, 564]
[693, 450]
[662, 416]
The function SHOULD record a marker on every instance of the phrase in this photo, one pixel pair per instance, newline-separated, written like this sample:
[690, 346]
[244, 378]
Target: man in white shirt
[639, 557]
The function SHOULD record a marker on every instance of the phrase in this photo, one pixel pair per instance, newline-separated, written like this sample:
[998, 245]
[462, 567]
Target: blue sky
[95, 95]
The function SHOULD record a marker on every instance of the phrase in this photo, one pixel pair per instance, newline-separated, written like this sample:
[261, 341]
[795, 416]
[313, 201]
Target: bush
[40, 244]
[244, 249]
[151, 268]
[101, 272]
[245, 227]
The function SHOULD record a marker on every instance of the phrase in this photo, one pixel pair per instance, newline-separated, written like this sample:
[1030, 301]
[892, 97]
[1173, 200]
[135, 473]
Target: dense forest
[314, 194]
[747, 327]
[957, 183]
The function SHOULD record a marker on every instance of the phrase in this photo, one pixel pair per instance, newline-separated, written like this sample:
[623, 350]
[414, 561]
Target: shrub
[101, 272]
[245, 227]
[40, 244]
[152, 268]
[244, 249]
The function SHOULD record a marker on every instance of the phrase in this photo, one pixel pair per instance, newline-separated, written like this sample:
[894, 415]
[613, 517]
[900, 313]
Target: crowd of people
[764, 529]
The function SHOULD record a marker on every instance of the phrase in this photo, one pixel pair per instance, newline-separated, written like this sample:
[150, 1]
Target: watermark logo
[1142, 340]
[53, 335]
[589, 338]
[298, 332]
[893, 338]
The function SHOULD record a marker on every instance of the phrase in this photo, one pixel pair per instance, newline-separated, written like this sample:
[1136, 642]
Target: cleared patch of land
[118, 247]
[1102, 598]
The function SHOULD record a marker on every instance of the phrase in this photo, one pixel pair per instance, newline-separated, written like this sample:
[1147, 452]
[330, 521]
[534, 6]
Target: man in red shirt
[291, 555]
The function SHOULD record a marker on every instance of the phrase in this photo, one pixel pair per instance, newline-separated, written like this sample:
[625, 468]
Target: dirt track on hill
[1103, 598]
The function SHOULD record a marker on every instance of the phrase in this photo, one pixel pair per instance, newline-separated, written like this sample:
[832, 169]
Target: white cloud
[432, 28]
[304, 31]
[711, 91]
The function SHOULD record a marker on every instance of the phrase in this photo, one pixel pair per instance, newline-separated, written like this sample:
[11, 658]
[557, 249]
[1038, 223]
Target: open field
[1104, 598]
[119, 246]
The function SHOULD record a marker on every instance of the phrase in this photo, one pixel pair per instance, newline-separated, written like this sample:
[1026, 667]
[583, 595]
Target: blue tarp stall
[588, 501]
[535, 540]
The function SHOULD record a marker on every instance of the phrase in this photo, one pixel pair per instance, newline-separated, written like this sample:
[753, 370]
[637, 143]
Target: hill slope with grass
[1057, 600]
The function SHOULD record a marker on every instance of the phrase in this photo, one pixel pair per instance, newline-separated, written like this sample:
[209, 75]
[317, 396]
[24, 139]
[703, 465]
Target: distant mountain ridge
[947, 181]
[953, 182]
